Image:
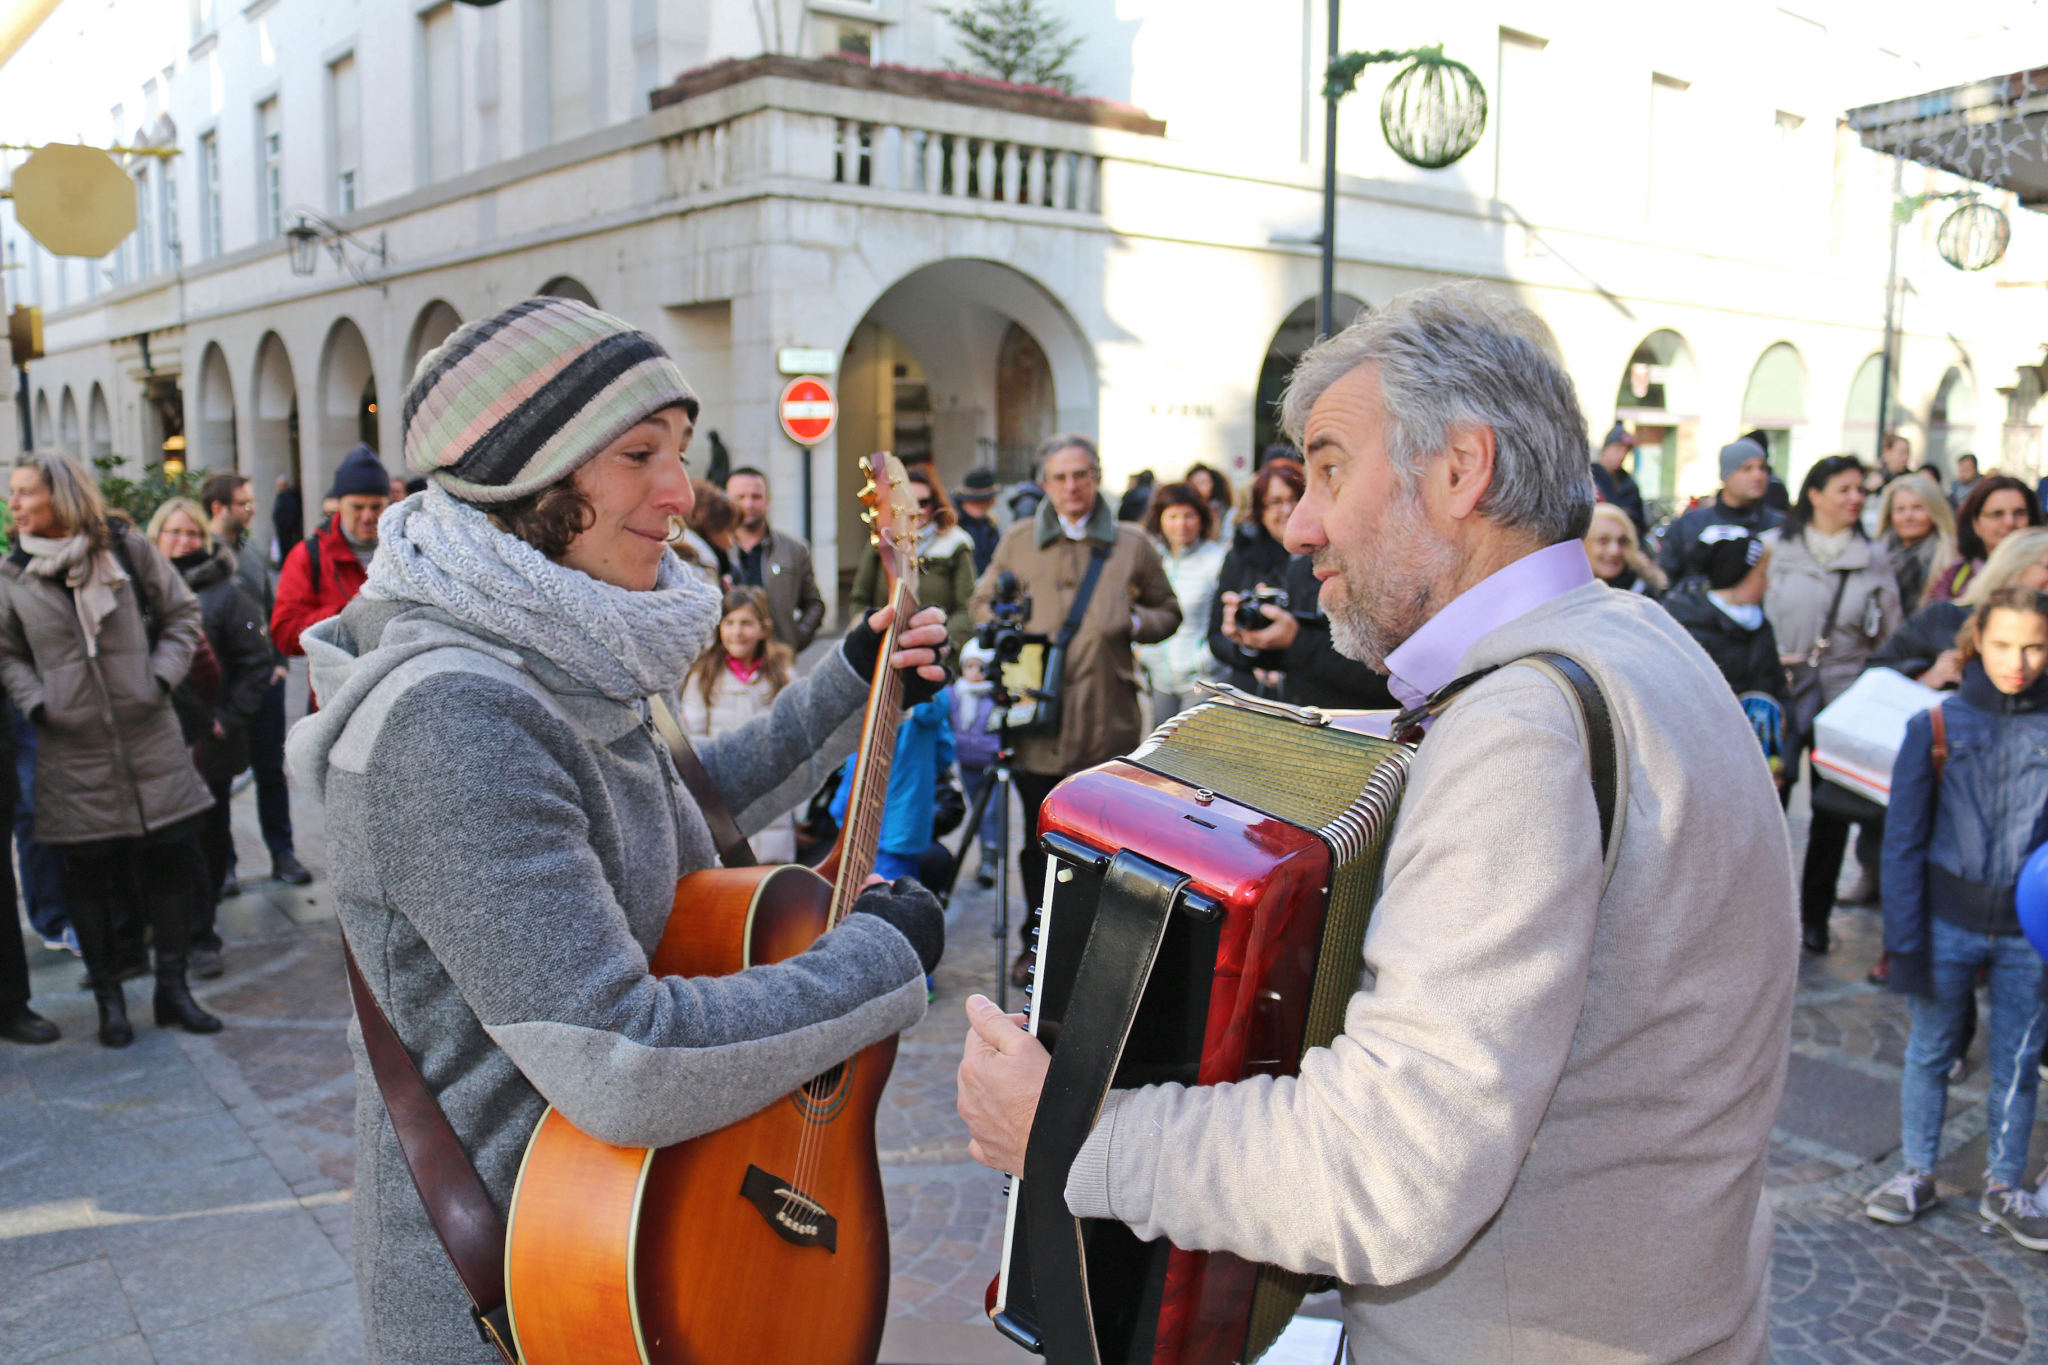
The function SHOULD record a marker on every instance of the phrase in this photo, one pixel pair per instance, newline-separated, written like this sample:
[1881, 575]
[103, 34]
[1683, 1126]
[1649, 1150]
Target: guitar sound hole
[820, 1088]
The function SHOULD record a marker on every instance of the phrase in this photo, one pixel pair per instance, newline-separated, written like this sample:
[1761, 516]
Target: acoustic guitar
[766, 1240]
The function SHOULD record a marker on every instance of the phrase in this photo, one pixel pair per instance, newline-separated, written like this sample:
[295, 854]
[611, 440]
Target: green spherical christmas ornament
[1433, 112]
[1974, 237]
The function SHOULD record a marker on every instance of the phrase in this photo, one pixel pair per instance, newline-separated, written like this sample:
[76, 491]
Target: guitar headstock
[890, 509]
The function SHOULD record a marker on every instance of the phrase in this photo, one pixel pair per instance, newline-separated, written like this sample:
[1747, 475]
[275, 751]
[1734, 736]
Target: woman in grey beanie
[507, 828]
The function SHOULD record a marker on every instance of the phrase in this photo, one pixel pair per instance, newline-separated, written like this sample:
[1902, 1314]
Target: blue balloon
[2031, 896]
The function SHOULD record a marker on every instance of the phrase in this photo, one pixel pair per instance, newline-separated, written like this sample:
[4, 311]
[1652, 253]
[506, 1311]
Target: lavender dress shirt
[1429, 658]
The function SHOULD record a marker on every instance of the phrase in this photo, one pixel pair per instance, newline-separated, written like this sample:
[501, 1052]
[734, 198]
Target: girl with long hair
[738, 677]
[1969, 805]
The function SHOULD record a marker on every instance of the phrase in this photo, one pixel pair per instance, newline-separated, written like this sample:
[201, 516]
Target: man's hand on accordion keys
[1002, 1071]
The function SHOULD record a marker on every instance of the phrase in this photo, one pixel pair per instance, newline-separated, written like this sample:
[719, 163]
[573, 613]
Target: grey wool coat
[111, 763]
[505, 847]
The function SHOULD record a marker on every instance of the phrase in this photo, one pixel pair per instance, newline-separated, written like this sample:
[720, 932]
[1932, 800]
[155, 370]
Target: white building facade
[1677, 197]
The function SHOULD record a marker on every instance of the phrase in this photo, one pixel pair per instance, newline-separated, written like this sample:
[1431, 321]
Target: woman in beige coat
[1833, 599]
[96, 628]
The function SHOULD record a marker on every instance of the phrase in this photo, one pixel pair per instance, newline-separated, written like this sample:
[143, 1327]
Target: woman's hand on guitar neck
[920, 650]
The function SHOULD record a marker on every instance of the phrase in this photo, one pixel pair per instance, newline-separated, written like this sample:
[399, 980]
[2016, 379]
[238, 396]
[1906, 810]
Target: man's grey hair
[1455, 355]
[1065, 440]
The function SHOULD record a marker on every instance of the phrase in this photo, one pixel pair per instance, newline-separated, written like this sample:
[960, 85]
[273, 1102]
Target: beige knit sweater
[1541, 1135]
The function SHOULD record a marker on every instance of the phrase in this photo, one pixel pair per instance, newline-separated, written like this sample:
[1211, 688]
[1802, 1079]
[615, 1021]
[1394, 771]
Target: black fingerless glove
[863, 646]
[913, 911]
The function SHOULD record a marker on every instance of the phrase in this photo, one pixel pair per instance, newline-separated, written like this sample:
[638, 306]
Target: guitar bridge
[797, 1218]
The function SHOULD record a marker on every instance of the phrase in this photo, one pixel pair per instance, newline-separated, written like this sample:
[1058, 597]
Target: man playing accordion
[1541, 1132]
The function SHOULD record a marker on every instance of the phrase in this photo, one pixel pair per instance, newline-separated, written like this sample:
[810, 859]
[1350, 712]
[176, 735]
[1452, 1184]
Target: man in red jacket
[324, 572]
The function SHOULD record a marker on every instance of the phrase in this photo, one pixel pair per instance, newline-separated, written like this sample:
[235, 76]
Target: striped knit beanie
[519, 400]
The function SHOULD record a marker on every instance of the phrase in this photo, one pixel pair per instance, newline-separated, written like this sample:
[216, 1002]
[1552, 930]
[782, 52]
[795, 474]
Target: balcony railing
[909, 133]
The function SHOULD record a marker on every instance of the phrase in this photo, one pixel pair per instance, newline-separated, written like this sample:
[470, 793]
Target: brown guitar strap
[733, 849]
[456, 1201]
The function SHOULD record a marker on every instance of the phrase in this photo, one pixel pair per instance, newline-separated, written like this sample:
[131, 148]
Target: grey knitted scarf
[439, 551]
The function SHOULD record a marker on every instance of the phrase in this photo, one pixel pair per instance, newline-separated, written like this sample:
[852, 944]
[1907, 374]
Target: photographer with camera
[1254, 573]
[1270, 629]
[1088, 589]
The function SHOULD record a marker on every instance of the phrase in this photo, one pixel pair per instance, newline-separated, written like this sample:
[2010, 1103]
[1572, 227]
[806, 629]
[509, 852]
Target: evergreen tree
[1015, 40]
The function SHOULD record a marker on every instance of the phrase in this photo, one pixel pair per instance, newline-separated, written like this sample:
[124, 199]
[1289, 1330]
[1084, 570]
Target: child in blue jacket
[924, 749]
[1969, 803]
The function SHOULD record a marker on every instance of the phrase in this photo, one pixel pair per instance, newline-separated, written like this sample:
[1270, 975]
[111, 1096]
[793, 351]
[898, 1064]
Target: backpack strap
[312, 544]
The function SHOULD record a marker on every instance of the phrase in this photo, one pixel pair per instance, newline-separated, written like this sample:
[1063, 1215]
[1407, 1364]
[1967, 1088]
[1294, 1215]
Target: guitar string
[867, 815]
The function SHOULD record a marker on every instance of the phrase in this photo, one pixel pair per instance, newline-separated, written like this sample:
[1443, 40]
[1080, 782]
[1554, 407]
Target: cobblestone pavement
[186, 1200]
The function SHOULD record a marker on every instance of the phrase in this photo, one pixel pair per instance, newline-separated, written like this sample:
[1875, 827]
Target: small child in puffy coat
[975, 743]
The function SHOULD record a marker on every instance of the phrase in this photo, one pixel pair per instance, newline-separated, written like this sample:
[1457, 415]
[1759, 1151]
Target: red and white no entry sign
[807, 410]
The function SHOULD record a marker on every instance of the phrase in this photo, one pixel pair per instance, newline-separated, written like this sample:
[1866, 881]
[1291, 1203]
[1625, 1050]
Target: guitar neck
[860, 840]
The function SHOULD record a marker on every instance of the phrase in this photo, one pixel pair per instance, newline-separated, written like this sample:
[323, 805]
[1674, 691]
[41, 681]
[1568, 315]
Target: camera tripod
[997, 785]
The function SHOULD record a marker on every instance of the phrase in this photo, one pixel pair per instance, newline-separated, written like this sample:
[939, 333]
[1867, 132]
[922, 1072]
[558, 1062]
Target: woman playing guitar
[507, 824]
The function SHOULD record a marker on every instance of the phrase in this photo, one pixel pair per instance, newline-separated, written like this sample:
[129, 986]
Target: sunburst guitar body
[767, 1240]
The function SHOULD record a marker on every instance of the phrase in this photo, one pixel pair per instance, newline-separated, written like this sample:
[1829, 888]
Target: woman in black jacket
[237, 635]
[1257, 559]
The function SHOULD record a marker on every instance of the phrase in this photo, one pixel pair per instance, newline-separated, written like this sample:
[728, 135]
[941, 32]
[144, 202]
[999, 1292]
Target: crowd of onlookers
[145, 668]
[1794, 598]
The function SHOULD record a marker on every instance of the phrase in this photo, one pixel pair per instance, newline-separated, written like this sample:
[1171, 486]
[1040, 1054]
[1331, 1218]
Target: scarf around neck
[92, 575]
[626, 645]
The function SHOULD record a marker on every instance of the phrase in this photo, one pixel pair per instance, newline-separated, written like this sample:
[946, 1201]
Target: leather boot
[114, 1029]
[174, 1002]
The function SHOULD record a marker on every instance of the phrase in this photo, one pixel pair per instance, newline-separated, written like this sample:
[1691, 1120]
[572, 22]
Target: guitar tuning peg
[867, 468]
[867, 514]
[867, 490]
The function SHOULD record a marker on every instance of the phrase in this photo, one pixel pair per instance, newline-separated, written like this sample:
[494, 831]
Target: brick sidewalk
[186, 1200]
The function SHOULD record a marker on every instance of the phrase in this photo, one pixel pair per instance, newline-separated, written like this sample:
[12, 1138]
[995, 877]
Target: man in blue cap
[324, 573]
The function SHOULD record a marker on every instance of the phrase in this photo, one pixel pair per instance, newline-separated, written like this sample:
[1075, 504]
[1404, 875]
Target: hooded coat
[491, 818]
[110, 762]
[1101, 714]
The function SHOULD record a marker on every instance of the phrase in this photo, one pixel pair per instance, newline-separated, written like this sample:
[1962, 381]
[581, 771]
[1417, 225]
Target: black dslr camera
[1250, 607]
[1003, 634]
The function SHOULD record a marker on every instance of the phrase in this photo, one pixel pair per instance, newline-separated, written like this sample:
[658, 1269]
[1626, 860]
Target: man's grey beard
[1391, 587]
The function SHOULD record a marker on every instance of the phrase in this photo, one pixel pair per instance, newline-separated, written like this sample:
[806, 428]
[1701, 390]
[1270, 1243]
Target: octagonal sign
[74, 200]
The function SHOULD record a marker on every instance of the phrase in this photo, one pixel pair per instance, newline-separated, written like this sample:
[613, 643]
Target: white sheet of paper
[1307, 1341]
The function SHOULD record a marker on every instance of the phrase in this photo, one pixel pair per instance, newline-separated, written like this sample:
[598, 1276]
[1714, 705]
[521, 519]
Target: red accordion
[1206, 904]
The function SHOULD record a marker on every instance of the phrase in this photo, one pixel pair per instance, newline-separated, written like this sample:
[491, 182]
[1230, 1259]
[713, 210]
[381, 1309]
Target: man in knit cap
[323, 574]
[508, 826]
[1745, 475]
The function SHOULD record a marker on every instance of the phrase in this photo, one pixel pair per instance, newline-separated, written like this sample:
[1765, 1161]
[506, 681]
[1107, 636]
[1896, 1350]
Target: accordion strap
[1603, 737]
